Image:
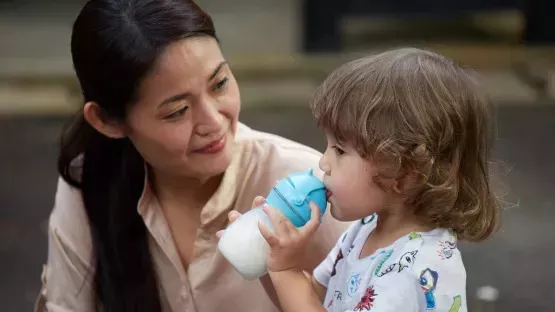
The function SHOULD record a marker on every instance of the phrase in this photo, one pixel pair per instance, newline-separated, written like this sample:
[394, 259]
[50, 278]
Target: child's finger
[290, 230]
[314, 212]
[312, 225]
[257, 201]
[220, 233]
[270, 238]
[233, 215]
[278, 220]
[274, 218]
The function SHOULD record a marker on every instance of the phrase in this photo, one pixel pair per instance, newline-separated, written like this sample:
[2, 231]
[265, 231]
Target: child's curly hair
[424, 113]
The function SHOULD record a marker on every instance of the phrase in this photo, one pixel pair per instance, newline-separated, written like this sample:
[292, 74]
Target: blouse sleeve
[66, 278]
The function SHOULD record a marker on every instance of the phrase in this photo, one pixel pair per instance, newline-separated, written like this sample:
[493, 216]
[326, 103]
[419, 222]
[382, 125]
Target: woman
[153, 164]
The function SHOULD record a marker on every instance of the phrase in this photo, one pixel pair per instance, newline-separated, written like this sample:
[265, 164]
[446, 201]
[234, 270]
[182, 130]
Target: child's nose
[324, 165]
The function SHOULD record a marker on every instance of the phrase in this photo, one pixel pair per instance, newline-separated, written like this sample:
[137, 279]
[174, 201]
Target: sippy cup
[243, 245]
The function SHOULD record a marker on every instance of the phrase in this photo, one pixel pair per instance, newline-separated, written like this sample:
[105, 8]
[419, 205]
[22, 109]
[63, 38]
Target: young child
[408, 136]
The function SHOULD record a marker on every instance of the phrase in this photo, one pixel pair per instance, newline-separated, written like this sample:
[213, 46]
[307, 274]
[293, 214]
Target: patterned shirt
[422, 271]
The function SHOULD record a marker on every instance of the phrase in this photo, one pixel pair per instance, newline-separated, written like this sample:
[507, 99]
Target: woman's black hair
[114, 45]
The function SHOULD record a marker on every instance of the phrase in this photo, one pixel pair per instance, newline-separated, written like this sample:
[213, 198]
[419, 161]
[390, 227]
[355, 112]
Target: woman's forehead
[185, 67]
[189, 58]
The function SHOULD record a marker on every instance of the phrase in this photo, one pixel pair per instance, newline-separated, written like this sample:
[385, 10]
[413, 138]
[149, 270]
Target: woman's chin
[217, 165]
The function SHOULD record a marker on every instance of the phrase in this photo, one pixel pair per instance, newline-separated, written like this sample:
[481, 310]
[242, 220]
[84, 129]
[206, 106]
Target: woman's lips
[213, 147]
[328, 194]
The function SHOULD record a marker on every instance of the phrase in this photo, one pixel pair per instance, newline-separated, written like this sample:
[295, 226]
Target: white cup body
[243, 245]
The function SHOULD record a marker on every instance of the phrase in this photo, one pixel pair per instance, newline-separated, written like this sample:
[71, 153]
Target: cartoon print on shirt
[457, 303]
[367, 301]
[428, 282]
[336, 295]
[446, 249]
[406, 260]
[384, 259]
[414, 235]
[339, 257]
[352, 285]
[375, 255]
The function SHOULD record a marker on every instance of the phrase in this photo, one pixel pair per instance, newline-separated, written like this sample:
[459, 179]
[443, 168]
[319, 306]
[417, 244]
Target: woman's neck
[183, 191]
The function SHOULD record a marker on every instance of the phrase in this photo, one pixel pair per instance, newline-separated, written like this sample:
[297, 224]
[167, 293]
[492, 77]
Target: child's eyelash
[338, 150]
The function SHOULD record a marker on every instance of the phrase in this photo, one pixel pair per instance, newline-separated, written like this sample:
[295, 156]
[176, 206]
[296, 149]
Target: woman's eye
[220, 84]
[177, 113]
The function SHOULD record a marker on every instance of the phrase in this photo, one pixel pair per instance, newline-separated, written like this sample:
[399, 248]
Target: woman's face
[185, 119]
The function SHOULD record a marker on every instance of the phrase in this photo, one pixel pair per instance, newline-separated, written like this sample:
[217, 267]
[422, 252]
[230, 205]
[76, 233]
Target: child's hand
[288, 243]
[233, 215]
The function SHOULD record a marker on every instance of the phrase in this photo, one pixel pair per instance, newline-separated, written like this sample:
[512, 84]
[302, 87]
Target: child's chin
[339, 216]
[335, 213]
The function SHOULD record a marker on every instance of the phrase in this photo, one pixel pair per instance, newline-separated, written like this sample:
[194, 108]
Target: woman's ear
[97, 119]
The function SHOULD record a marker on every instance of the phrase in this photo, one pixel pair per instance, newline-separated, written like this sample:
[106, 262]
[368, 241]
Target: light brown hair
[427, 114]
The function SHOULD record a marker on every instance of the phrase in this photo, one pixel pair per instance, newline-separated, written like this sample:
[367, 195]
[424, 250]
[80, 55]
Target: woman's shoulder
[68, 220]
[276, 152]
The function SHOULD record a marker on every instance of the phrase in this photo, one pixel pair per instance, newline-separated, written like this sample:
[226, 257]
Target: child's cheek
[338, 194]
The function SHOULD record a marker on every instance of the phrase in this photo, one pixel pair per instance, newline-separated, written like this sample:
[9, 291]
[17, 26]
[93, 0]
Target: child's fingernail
[233, 213]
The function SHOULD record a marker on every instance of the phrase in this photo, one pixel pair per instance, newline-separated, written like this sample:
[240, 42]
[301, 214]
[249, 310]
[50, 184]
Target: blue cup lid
[295, 192]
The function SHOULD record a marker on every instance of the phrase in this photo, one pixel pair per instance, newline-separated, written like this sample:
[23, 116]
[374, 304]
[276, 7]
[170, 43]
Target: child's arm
[296, 292]
[287, 244]
[271, 291]
[318, 288]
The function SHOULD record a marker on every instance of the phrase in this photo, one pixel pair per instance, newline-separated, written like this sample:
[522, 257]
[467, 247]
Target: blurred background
[280, 50]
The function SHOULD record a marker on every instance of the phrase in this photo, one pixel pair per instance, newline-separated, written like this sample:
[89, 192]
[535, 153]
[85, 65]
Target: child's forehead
[330, 136]
[333, 138]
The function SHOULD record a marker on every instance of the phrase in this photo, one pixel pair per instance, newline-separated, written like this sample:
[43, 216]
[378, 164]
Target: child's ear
[395, 186]
[405, 182]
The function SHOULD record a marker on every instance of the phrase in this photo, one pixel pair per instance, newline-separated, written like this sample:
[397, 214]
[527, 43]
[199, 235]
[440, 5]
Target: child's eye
[220, 84]
[338, 150]
[177, 113]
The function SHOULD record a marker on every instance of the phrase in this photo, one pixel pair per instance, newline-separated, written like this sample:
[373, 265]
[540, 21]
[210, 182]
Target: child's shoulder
[430, 261]
[416, 252]
[432, 256]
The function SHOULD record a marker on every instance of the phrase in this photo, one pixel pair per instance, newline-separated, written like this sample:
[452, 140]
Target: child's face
[349, 178]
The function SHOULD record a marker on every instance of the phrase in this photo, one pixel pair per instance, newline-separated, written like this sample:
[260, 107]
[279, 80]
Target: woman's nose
[209, 120]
